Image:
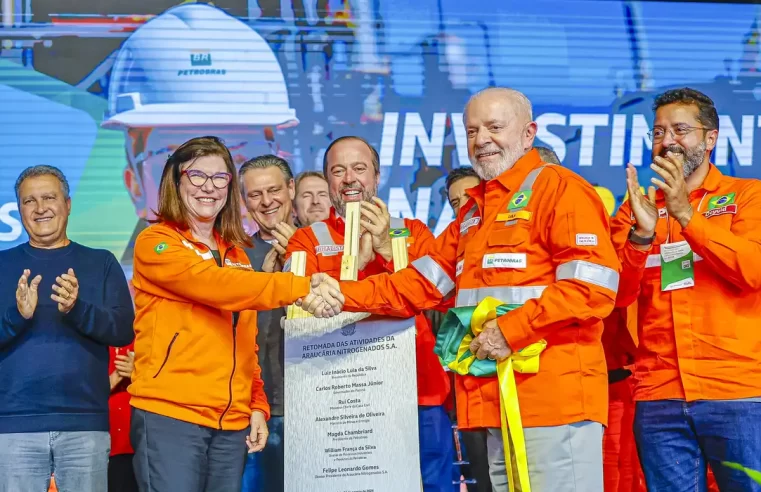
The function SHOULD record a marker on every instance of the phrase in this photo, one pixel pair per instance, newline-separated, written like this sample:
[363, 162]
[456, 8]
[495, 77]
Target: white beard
[487, 172]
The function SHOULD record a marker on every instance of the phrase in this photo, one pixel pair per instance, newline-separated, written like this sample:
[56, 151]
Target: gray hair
[521, 102]
[548, 155]
[43, 170]
[263, 162]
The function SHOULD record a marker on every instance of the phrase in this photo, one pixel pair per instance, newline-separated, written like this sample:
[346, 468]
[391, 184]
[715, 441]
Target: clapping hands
[325, 299]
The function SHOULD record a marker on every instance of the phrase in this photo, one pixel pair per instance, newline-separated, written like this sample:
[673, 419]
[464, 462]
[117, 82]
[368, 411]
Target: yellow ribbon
[525, 361]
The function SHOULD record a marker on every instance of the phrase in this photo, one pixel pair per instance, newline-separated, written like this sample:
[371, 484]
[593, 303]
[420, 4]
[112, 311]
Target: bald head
[500, 130]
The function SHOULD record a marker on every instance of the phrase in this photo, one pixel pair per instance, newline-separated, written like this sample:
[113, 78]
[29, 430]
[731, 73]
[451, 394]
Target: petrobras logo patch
[237, 265]
[200, 59]
[504, 260]
[328, 249]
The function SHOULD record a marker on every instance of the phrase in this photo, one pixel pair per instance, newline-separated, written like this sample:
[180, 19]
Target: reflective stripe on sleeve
[433, 272]
[588, 272]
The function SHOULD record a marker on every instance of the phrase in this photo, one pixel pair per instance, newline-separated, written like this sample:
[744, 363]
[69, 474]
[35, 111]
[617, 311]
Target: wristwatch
[642, 241]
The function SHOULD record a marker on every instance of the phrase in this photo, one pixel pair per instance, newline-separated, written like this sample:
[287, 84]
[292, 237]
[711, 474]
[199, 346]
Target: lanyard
[668, 218]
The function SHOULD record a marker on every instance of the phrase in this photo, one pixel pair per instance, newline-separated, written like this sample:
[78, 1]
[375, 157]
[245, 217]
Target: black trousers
[121, 476]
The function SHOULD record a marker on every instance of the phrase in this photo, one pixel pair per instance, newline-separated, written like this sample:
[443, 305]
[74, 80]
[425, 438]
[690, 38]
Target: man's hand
[325, 298]
[125, 364]
[376, 220]
[674, 186]
[272, 262]
[257, 438]
[26, 294]
[366, 252]
[282, 233]
[643, 207]
[114, 379]
[66, 291]
[490, 343]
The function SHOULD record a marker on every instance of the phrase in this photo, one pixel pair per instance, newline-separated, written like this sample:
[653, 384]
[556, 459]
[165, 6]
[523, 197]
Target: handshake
[325, 299]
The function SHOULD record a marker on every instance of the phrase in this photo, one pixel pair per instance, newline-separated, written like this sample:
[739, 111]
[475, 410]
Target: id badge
[677, 266]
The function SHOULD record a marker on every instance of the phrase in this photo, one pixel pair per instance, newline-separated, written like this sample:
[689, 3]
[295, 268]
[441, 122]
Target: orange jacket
[553, 255]
[323, 243]
[192, 363]
[703, 342]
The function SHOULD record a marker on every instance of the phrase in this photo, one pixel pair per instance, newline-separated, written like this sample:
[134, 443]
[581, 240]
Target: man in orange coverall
[535, 235]
[690, 254]
[352, 168]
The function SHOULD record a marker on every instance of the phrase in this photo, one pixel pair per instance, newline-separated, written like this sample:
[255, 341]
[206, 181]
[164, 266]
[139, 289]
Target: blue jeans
[676, 440]
[436, 449]
[78, 459]
[264, 470]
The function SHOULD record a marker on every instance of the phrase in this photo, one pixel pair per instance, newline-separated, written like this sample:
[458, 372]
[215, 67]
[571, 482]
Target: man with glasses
[689, 248]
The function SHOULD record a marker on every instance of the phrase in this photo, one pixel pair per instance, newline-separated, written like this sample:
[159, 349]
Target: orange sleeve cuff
[516, 329]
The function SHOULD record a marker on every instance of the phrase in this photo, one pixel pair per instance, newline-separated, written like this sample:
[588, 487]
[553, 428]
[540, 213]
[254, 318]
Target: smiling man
[54, 345]
[312, 201]
[268, 191]
[534, 236]
[352, 169]
[690, 249]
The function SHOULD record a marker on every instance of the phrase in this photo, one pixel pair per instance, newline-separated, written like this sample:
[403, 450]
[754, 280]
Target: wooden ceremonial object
[350, 258]
[399, 253]
[298, 268]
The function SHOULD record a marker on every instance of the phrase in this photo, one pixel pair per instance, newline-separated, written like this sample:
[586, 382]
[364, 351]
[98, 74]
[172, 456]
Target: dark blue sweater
[54, 366]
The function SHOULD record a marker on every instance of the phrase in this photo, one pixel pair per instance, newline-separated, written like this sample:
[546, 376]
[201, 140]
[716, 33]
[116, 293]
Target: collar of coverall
[510, 179]
[188, 234]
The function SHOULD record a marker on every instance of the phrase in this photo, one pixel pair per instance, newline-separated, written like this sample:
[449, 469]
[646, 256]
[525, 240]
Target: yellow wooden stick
[299, 268]
[350, 258]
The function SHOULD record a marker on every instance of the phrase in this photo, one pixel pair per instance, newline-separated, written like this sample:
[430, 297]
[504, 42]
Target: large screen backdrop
[106, 90]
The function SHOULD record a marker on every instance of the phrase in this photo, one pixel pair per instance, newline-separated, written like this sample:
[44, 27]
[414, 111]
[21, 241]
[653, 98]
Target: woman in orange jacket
[196, 391]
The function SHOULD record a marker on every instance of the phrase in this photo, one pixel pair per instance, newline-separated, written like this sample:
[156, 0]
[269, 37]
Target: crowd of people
[649, 353]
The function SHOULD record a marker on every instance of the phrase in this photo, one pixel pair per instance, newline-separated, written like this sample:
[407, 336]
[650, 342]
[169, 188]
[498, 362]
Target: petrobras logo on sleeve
[230, 263]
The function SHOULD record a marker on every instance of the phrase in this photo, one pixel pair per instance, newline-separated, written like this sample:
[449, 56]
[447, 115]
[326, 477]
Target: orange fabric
[432, 382]
[703, 342]
[621, 467]
[571, 384]
[191, 364]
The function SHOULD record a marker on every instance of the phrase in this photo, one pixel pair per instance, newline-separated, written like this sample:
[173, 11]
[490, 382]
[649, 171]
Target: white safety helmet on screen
[196, 65]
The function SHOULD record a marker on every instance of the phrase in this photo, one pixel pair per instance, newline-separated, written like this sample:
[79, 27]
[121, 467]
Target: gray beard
[693, 157]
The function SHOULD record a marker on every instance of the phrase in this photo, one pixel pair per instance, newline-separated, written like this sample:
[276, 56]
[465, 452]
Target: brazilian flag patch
[721, 201]
[160, 248]
[519, 200]
[399, 232]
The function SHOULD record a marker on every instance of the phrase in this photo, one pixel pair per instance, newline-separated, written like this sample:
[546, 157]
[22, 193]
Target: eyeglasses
[199, 178]
[657, 134]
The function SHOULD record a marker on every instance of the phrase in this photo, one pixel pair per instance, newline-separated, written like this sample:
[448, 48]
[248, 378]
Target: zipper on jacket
[166, 357]
[232, 374]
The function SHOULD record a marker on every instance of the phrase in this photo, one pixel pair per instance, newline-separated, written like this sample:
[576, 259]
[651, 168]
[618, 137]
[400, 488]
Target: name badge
[504, 260]
[728, 209]
[473, 221]
[328, 249]
[508, 216]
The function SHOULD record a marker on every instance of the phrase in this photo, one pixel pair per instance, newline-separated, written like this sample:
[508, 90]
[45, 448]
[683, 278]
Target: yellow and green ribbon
[459, 327]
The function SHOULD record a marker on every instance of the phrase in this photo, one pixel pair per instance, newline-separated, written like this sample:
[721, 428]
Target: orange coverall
[703, 342]
[538, 236]
[323, 244]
